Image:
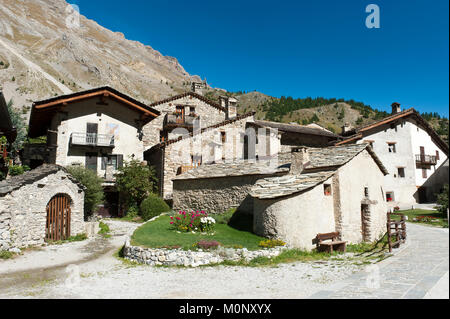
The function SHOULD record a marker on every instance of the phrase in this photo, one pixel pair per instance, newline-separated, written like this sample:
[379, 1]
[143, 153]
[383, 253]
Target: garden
[197, 230]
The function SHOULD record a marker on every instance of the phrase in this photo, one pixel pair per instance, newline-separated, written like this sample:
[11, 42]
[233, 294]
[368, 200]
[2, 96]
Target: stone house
[223, 140]
[41, 205]
[414, 154]
[98, 128]
[301, 194]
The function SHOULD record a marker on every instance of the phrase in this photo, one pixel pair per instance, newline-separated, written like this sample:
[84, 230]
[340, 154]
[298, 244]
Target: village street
[418, 270]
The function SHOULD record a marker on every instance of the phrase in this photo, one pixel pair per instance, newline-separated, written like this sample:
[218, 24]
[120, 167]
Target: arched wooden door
[58, 218]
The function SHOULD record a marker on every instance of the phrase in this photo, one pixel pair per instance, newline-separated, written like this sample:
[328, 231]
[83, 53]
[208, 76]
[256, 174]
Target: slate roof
[295, 128]
[325, 158]
[192, 94]
[16, 182]
[236, 168]
[357, 133]
[274, 187]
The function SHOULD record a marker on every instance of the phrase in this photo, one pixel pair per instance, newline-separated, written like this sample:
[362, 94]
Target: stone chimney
[396, 108]
[300, 160]
[230, 104]
[346, 128]
[197, 87]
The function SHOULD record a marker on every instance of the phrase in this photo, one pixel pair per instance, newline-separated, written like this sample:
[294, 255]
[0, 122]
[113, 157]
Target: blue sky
[298, 48]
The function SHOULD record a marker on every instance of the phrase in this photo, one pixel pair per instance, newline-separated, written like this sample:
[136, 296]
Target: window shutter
[104, 162]
[119, 161]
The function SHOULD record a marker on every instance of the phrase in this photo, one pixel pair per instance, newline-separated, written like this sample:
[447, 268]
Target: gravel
[107, 277]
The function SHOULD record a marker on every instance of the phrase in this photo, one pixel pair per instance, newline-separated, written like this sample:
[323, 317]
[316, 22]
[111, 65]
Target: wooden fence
[396, 229]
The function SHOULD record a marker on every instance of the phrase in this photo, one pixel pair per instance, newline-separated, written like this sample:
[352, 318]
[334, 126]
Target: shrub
[104, 228]
[136, 182]
[4, 254]
[15, 170]
[153, 206]
[442, 200]
[271, 243]
[193, 221]
[93, 194]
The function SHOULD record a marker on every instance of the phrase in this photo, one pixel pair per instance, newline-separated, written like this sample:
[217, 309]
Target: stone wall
[209, 115]
[215, 195]
[205, 146]
[178, 257]
[23, 210]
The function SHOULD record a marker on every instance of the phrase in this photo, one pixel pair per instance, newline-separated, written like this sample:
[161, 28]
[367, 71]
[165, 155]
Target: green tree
[19, 124]
[93, 195]
[135, 182]
[442, 200]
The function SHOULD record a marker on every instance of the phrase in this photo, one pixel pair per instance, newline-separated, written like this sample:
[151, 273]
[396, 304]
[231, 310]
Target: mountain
[41, 55]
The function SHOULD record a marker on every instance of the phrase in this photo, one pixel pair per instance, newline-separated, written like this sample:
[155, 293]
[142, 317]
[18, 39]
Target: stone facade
[209, 115]
[206, 147]
[23, 203]
[215, 195]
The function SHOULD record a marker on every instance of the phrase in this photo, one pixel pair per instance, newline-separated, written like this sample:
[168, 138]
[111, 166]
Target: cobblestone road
[410, 274]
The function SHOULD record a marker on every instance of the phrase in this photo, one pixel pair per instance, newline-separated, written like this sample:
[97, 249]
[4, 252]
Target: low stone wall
[178, 257]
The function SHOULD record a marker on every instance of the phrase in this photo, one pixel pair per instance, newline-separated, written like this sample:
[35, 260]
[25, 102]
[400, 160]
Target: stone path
[417, 271]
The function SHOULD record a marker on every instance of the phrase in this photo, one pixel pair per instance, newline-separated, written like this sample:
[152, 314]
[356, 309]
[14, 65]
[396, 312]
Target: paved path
[419, 270]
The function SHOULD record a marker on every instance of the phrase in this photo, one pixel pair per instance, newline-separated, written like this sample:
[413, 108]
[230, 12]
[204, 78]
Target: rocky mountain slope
[42, 54]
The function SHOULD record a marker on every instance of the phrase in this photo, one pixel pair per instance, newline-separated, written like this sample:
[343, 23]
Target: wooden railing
[396, 229]
[426, 159]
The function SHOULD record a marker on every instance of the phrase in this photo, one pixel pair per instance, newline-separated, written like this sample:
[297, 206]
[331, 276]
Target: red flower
[178, 218]
[171, 223]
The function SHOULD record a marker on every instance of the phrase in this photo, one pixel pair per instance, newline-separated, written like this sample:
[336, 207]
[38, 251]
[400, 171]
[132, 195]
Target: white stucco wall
[408, 138]
[354, 177]
[296, 219]
[75, 119]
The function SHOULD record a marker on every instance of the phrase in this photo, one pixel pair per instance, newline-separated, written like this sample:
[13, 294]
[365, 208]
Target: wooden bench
[332, 245]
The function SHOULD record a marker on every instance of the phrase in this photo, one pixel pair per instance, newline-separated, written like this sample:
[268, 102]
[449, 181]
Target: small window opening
[327, 189]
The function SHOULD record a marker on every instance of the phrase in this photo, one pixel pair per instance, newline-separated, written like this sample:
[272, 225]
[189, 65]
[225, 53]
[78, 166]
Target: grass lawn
[441, 221]
[160, 234]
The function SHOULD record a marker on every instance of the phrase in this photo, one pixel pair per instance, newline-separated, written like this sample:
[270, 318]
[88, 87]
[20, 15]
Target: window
[180, 109]
[116, 161]
[389, 196]
[366, 192]
[392, 148]
[223, 136]
[327, 189]
[192, 110]
[437, 155]
[401, 172]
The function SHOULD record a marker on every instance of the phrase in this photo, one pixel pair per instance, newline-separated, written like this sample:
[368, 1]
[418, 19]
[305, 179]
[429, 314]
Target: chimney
[197, 87]
[230, 104]
[346, 128]
[396, 108]
[300, 160]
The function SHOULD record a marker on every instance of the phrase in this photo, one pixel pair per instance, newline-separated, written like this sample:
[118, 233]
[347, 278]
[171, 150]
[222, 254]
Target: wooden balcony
[92, 139]
[180, 120]
[426, 159]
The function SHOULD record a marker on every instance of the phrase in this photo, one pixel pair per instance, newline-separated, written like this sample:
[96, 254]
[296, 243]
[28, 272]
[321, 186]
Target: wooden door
[91, 133]
[58, 218]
